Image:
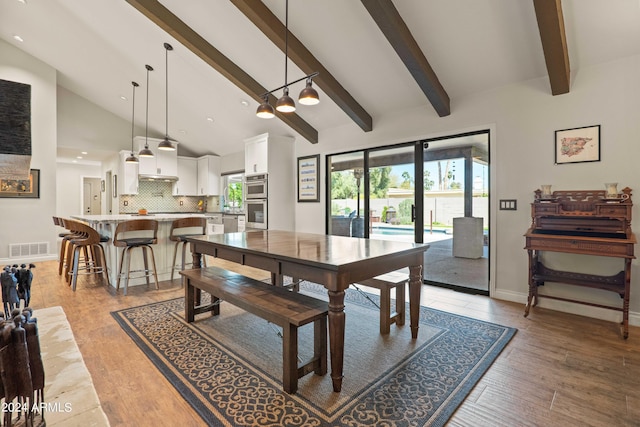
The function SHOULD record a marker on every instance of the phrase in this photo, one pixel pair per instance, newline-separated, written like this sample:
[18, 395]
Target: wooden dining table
[332, 261]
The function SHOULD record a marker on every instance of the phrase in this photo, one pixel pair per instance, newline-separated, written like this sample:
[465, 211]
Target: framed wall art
[23, 188]
[309, 178]
[578, 145]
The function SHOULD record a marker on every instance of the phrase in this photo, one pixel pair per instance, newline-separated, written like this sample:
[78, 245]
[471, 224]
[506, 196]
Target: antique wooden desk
[333, 261]
[581, 222]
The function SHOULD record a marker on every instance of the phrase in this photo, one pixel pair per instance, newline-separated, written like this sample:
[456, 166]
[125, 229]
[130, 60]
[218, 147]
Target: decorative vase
[612, 190]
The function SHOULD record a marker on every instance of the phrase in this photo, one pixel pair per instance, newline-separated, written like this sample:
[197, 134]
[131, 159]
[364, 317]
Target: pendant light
[308, 95]
[132, 157]
[145, 152]
[166, 144]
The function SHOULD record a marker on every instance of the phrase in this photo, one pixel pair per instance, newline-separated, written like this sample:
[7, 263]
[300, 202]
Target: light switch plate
[508, 204]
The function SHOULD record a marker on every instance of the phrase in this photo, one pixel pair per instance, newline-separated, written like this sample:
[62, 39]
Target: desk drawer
[612, 210]
[577, 246]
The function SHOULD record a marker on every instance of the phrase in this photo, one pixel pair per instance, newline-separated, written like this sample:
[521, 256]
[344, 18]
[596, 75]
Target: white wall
[522, 119]
[69, 187]
[30, 220]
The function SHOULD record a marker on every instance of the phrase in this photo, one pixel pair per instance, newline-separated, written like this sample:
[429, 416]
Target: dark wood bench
[386, 282]
[277, 305]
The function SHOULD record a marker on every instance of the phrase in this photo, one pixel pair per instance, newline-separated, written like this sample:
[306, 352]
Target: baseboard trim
[568, 307]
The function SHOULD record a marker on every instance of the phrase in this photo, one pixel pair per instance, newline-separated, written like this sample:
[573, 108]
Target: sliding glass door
[433, 191]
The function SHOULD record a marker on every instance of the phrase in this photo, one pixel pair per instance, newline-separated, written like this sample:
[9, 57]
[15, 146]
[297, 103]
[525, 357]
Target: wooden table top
[313, 249]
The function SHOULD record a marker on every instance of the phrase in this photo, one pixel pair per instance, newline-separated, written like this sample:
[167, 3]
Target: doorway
[91, 196]
[374, 193]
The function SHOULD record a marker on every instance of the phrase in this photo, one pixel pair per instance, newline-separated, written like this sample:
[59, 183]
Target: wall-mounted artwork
[24, 188]
[308, 178]
[15, 130]
[578, 145]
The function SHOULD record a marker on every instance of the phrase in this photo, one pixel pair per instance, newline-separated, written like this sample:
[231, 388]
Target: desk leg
[533, 286]
[336, 337]
[415, 287]
[625, 300]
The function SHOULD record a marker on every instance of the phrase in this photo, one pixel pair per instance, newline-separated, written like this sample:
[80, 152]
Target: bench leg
[320, 346]
[400, 304]
[190, 302]
[290, 358]
[385, 310]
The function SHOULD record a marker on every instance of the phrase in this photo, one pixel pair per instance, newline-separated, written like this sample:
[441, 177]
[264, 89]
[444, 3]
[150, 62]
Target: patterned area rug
[229, 367]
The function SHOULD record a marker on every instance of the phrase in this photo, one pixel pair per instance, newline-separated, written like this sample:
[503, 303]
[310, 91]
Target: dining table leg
[415, 287]
[336, 337]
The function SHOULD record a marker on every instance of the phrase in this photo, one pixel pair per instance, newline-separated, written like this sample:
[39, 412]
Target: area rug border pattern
[500, 336]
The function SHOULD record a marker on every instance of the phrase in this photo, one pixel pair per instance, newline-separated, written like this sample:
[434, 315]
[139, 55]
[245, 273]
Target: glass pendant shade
[285, 104]
[308, 95]
[265, 110]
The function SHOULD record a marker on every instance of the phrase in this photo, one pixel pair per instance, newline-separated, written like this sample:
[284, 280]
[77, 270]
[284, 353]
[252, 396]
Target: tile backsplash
[155, 196]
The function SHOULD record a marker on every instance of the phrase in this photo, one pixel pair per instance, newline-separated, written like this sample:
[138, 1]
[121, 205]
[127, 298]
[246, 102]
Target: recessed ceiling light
[83, 152]
[182, 131]
[18, 38]
[124, 98]
[23, 1]
[210, 119]
[79, 157]
[244, 103]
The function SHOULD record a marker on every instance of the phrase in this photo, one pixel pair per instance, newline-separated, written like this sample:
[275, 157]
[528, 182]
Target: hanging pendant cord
[166, 65]
[286, 40]
[133, 113]
[146, 126]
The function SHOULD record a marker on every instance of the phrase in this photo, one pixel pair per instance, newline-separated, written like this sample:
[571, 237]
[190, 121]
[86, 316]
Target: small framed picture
[578, 145]
[309, 178]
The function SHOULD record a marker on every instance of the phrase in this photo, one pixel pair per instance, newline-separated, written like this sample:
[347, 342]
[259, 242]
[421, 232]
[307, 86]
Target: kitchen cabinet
[127, 177]
[187, 184]
[256, 152]
[163, 163]
[209, 175]
[275, 156]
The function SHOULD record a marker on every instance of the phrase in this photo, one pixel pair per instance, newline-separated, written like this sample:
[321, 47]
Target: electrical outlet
[181, 202]
[126, 203]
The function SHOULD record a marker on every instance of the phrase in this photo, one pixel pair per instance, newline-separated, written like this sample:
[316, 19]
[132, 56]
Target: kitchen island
[106, 226]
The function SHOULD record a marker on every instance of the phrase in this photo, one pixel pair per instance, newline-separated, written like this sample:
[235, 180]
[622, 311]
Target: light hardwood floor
[558, 370]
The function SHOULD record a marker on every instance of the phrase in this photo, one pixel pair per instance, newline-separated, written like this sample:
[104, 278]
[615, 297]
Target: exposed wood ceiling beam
[170, 23]
[273, 28]
[554, 44]
[397, 33]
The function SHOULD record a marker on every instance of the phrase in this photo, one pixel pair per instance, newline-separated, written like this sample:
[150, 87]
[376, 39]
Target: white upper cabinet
[187, 184]
[256, 155]
[127, 177]
[163, 163]
[209, 176]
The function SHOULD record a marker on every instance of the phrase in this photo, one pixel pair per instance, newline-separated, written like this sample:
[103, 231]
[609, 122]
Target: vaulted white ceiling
[100, 46]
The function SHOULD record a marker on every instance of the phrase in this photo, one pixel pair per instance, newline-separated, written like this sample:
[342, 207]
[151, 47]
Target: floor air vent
[21, 250]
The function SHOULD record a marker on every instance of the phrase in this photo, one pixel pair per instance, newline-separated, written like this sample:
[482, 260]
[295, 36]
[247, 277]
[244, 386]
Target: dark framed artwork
[578, 145]
[309, 178]
[23, 188]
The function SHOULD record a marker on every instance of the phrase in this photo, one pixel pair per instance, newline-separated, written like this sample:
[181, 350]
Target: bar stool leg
[173, 264]
[120, 271]
[126, 283]
[146, 264]
[155, 270]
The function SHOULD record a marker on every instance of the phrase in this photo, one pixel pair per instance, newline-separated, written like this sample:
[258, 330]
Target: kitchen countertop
[127, 217]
